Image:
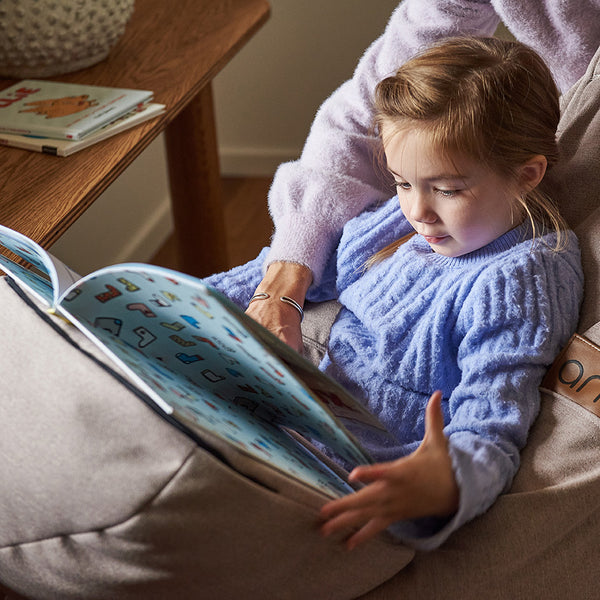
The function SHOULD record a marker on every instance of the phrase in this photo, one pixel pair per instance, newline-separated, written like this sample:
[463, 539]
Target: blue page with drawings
[201, 360]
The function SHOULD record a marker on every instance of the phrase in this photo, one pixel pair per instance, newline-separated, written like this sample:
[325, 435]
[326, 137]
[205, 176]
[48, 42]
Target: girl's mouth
[435, 239]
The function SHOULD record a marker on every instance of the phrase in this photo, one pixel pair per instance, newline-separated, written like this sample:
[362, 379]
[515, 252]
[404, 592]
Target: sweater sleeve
[334, 180]
[515, 323]
[239, 283]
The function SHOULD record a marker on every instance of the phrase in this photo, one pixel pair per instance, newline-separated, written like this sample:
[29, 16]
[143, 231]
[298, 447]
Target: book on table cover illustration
[201, 360]
[67, 111]
[138, 115]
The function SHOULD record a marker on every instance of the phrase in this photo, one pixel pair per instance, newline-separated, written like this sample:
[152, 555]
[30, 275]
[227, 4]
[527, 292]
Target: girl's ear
[532, 172]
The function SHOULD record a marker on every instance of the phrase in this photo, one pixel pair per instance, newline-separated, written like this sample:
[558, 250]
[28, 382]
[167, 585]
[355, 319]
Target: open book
[200, 359]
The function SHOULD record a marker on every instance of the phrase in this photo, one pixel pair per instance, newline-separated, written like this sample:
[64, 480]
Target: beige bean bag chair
[102, 498]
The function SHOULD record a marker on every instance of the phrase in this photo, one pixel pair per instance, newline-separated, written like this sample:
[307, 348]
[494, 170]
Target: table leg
[195, 185]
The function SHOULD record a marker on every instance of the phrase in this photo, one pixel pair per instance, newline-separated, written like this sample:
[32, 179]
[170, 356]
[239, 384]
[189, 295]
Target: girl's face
[456, 204]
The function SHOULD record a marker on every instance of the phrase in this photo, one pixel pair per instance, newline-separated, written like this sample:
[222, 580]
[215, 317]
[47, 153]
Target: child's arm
[421, 484]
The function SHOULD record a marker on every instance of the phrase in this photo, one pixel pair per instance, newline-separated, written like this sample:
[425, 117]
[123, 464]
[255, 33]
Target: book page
[44, 275]
[38, 285]
[187, 351]
[341, 403]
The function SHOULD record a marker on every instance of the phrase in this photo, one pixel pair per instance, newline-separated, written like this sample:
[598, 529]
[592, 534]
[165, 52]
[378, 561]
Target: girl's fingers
[368, 473]
[358, 500]
[434, 420]
[346, 520]
[367, 532]
[366, 526]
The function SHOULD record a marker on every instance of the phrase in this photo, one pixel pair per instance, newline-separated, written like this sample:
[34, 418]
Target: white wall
[265, 101]
[267, 96]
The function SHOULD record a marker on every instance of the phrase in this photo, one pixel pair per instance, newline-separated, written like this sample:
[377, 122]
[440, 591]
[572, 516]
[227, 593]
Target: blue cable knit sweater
[482, 328]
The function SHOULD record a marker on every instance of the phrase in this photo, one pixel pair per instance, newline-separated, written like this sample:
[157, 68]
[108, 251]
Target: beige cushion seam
[133, 514]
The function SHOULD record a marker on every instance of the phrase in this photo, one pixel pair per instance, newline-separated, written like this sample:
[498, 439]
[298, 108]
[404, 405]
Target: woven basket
[42, 38]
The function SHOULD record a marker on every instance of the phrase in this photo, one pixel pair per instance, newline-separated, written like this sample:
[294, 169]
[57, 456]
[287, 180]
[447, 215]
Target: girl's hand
[421, 484]
[281, 319]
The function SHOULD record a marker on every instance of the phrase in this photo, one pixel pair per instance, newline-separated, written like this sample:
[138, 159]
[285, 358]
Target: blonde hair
[489, 99]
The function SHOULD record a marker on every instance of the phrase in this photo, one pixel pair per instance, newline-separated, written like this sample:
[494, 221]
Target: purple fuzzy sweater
[334, 180]
[482, 327]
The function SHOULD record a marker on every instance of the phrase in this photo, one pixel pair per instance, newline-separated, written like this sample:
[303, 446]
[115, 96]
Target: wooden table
[174, 49]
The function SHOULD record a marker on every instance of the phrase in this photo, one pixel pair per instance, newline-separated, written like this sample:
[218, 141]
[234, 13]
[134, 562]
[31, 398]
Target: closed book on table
[64, 110]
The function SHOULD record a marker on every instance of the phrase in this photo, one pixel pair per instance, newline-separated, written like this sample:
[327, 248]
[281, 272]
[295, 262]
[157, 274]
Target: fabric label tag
[576, 374]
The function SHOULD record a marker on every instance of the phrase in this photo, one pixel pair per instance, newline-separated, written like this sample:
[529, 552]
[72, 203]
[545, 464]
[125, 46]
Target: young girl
[476, 304]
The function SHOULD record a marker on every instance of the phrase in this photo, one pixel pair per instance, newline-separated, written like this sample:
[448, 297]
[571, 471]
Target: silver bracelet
[293, 303]
[259, 296]
[286, 299]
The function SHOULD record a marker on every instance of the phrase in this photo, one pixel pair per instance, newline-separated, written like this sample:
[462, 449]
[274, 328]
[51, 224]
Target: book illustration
[200, 360]
[64, 110]
[48, 274]
[53, 108]
[38, 285]
[16, 94]
[199, 346]
[189, 354]
[38, 278]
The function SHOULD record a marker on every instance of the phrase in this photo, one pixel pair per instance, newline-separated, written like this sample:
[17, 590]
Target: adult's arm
[335, 178]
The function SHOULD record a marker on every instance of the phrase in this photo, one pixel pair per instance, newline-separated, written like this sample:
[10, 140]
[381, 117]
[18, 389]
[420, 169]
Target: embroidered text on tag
[576, 374]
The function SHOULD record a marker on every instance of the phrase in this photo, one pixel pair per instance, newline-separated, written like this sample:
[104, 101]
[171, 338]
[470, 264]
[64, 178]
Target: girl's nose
[421, 211]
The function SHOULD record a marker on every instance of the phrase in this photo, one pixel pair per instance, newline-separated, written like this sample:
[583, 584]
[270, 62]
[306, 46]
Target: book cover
[64, 110]
[202, 361]
[67, 147]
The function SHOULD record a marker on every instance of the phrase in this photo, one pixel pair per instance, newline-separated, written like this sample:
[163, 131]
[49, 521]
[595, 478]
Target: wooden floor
[247, 221]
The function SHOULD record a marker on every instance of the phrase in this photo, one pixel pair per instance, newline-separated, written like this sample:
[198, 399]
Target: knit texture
[334, 179]
[482, 328]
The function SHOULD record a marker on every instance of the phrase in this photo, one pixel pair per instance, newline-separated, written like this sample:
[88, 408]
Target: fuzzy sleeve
[334, 180]
[239, 283]
[515, 325]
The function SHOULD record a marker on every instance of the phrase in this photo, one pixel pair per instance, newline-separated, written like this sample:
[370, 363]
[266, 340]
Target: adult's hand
[282, 319]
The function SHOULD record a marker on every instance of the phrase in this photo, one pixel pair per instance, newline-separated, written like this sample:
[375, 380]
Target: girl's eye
[403, 185]
[447, 193]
